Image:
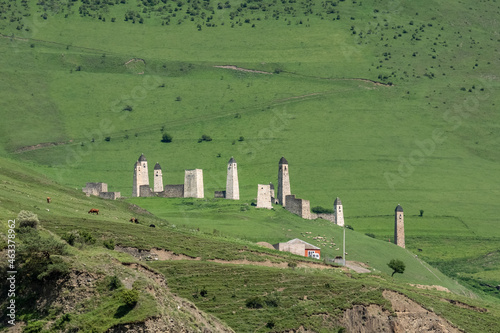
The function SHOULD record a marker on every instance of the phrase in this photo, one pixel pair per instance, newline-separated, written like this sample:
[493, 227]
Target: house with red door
[299, 247]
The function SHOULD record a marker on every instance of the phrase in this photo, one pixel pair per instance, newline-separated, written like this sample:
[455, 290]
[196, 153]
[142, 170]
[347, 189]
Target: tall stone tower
[338, 211]
[141, 176]
[158, 179]
[399, 227]
[193, 184]
[283, 182]
[232, 185]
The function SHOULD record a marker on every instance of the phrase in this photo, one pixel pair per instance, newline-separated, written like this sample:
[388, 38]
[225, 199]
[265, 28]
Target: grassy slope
[67, 213]
[341, 142]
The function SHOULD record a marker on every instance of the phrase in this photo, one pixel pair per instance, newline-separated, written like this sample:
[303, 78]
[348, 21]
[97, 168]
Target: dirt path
[355, 266]
[164, 255]
[40, 146]
[242, 69]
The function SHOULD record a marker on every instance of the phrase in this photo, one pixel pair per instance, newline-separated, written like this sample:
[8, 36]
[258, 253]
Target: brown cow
[134, 220]
[49, 200]
[94, 211]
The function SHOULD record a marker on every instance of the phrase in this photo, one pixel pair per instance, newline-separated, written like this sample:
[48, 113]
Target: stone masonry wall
[300, 207]
[193, 184]
[145, 191]
[264, 196]
[110, 195]
[95, 188]
[173, 191]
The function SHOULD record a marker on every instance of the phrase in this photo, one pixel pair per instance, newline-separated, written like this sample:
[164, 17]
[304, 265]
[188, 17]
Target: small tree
[397, 266]
[166, 137]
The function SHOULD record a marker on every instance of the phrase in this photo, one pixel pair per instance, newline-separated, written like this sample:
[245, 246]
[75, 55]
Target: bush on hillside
[130, 297]
[204, 137]
[39, 258]
[255, 302]
[27, 219]
[321, 210]
[166, 138]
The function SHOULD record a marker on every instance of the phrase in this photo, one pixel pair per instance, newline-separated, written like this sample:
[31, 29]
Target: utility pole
[343, 250]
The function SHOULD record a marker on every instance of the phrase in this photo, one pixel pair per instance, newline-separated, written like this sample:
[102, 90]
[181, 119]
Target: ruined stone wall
[300, 207]
[145, 191]
[95, 188]
[324, 216]
[264, 196]
[110, 195]
[193, 184]
[173, 191]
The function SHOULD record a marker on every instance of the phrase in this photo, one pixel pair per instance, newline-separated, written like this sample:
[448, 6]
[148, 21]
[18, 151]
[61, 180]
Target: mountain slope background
[379, 103]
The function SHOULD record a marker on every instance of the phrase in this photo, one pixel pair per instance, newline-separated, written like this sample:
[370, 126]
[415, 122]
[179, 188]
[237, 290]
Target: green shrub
[369, 234]
[204, 137]
[114, 283]
[130, 297]
[255, 302]
[109, 244]
[166, 138]
[321, 210]
[34, 327]
[27, 219]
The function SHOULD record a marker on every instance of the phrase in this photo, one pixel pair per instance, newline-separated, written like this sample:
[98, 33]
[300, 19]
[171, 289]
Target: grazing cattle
[94, 211]
[134, 220]
[152, 226]
[49, 200]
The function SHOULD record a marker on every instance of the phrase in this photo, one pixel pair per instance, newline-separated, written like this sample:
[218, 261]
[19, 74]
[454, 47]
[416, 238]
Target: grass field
[292, 297]
[428, 141]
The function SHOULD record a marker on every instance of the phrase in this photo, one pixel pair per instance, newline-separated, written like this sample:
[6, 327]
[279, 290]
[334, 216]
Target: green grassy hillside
[90, 297]
[426, 139]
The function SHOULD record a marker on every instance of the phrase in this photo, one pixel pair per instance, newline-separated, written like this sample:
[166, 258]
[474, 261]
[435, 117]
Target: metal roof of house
[283, 161]
[300, 241]
[142, 158]
[337, 202]
[232, 160]
[157, 166]
[399, 208]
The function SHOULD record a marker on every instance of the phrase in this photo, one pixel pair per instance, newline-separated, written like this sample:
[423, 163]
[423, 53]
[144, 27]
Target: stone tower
[193, 184]
[232, 186]
[141, 176]
[399, 227]
[339, 213]
[264, 196]
[158, 179]
[283, 182]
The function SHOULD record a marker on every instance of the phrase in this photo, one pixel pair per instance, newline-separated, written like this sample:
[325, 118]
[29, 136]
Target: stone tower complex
[399, 227]
[283, 182]
[338, 211]
[232, 185]
[193, 184]
[140, 175]
[158, 179]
